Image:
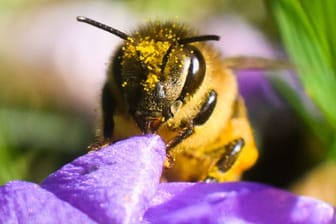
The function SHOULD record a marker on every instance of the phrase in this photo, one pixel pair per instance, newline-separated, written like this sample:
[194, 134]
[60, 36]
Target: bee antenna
[102, 26]
[198, 39]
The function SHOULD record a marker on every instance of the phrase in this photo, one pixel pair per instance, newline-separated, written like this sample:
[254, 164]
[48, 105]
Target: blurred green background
[52, 69]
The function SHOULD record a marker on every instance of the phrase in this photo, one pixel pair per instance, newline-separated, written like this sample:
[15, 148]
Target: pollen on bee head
[148, 51]
[130, 39]
[150, 82]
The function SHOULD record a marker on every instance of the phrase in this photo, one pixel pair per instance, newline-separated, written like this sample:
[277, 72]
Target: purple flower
[120, 184]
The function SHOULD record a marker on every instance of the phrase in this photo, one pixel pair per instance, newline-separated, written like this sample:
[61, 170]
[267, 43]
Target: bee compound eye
[196, 71]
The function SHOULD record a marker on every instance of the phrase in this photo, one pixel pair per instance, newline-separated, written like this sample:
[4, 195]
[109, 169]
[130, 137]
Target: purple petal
[237, 202]
[114, 184]
[23, 202]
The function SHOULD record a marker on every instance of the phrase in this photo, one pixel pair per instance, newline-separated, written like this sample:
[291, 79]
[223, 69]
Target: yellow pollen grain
[130, 39]
[150, 82]
[149, 52]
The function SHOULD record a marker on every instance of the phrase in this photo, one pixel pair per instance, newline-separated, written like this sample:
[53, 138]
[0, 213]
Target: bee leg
[203, 115]
[98, 145]
[108, 122]
[207, 108]
[228, 158]
[230, 155]
[186, 132]
[108, 107]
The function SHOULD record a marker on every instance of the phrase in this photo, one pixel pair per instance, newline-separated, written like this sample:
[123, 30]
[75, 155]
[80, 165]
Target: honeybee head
[156, 69]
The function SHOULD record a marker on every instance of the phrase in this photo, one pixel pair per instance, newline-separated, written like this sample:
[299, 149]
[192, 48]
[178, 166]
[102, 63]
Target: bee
[168, 80]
